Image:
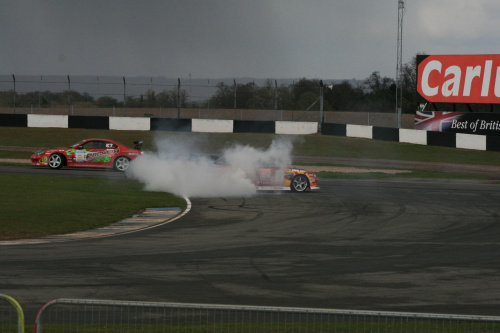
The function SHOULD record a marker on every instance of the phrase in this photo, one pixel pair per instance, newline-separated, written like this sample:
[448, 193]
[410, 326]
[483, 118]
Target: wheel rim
[122, 163]
[55, 161]
[299, 183]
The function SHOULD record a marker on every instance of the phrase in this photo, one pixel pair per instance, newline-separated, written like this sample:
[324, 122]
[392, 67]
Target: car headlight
[39, 152]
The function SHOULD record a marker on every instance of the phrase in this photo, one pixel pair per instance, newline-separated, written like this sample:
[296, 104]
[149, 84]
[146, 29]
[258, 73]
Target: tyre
[56, 161]
[300, 183]
[121, 163]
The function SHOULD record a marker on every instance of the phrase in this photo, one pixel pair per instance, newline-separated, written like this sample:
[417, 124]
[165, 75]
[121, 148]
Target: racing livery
[274, 179]
[89, 153]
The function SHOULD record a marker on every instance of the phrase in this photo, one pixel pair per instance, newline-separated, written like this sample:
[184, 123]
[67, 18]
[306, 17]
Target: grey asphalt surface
[421, 246]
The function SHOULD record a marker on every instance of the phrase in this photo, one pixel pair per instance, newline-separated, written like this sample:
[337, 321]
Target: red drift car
[89, 153]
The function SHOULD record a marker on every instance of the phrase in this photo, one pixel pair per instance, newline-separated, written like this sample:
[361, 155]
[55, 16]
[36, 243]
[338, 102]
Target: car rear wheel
[300, 183]
[56, 161]
[122, 163]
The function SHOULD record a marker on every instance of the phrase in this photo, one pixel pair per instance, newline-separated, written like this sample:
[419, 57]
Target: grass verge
[58, 205]
[307, 145]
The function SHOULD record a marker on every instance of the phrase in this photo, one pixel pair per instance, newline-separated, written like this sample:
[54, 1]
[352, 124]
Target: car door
[95, 154]
[270, 177]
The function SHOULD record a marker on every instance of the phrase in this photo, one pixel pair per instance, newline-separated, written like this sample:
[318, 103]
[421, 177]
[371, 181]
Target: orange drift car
[279, 179]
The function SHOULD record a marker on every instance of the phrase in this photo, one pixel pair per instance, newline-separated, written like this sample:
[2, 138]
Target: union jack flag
[435, 121]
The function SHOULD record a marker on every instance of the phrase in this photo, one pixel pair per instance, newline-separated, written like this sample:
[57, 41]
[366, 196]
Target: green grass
[307, 145]
[58, 205]
[25, 155]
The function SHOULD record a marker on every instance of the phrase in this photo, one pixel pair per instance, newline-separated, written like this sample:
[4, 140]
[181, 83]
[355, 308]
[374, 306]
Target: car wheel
[121, 163]
[56, 161]
[300, 183]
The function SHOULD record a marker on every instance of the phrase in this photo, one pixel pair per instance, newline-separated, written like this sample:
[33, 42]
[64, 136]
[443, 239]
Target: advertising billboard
[458, 78]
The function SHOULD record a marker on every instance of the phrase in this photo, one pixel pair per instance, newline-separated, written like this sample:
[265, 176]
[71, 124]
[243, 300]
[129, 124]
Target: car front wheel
[122, 163]
[55, 161]
[300, 183]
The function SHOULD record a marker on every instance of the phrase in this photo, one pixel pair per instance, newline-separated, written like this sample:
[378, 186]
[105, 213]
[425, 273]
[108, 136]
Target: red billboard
[459, 78]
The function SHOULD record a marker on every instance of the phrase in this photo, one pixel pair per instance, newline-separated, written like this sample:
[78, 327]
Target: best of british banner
[458, 122]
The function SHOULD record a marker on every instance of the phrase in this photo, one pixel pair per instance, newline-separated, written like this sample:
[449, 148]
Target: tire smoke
[181, 167]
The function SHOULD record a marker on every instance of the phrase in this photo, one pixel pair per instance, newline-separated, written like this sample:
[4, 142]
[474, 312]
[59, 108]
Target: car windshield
[77, 144]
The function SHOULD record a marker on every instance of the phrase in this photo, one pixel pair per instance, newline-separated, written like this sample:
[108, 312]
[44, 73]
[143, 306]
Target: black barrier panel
[171, 124]
[89, 122]
[250, 126]
[493, 143]
[441, 139]
[385, 133]
[334, 129]
[14, 120]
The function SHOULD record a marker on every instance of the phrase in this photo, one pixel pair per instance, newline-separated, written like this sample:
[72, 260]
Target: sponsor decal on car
[95, 157]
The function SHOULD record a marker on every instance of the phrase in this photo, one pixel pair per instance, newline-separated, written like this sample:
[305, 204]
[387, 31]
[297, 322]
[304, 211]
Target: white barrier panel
[296, 127]
[46, 120]
[129, 123]
[470, 141]
[359, 131]
[212, 126]
[413, 136]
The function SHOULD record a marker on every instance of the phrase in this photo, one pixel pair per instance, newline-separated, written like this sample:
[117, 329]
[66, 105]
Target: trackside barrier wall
[129, 123]
[11, 315]
[78, 315]
[385, 134]
[296, 127]
[359, 131]
[89, 122]
[212, 126]
[250, 126]
[45, 120]
[452, 140]
[471, 141]
[413, 136]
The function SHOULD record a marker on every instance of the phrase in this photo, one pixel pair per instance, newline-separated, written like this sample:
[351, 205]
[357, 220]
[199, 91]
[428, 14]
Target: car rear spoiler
[138, 144]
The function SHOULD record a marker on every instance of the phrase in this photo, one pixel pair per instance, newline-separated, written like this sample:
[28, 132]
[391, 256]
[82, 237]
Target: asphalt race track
[421, 246]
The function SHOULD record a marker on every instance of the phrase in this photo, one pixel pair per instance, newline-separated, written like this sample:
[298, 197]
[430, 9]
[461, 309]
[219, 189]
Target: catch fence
[76, 315]
[11, 315]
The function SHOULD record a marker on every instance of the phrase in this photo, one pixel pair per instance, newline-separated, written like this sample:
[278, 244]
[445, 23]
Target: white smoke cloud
[249, 159]
[175, 169]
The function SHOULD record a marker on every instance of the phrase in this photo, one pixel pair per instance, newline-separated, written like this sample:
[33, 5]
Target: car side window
[88, 145]
[100, 145]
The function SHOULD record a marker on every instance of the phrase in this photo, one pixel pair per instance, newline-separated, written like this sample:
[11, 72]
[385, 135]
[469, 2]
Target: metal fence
[195, 103]
[76, 315]
[11, 315]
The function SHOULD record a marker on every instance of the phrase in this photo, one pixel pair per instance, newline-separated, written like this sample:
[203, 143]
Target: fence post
[321, 114]
[178, 97]
[20, 313]
[69, 95]
[14, 80]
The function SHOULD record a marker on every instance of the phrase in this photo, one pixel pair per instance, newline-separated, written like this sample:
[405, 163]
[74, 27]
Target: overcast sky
[328, 39]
